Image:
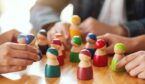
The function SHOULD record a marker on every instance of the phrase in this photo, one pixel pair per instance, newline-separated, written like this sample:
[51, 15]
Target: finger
[66, 32]
[19, 62]
[126, 60]
[22, 47]
[142, 75]
[132, 64]
[24, 55]
[6, 69]
[137, 70]
[109, 49]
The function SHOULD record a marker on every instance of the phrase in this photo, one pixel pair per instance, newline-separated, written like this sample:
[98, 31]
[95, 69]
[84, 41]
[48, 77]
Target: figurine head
[76, 19]
[58, 36]
[52, 53]
[56, 43]
[119, 48]
[21, 38]
[26, 39]
[100, 44]
[85, 55]
[91, 38]
[30, 39]
[76, 41]
[42, 35]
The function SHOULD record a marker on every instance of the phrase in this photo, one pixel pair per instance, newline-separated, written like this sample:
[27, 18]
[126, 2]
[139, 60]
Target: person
[14, 56]
[121, 17]
[135, 62]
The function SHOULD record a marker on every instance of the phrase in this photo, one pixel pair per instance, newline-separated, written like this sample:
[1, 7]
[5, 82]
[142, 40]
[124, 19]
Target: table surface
[35, 75]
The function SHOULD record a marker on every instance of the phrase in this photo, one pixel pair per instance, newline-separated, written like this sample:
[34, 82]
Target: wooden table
[68, 76]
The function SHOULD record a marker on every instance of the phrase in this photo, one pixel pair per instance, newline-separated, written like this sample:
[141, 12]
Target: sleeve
[45, 12]
[135, 28]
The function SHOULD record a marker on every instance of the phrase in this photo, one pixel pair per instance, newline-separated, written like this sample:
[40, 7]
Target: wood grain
[102, 75]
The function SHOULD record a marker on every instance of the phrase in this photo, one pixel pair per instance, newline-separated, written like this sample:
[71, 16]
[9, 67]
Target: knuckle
[141, 52]
[127, 67]
[107, 34]
[132, 73]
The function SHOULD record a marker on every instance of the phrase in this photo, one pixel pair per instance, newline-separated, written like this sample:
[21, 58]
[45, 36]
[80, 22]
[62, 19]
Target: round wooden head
[91, 38]
[29, 38]
[75, 19]
[42, 35]
[76, 40]
[56, 43]
[85, 55]
[119, 48]
[21, 38]
[52, 53]
[25, 39]
[100, 43]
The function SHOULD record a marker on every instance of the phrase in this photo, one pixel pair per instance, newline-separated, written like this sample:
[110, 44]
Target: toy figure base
[43, 48]
[60, 60]
[84, 73]
[92, 51]
[100, 61]
[74, 57]
[113, 66]
[52, 71]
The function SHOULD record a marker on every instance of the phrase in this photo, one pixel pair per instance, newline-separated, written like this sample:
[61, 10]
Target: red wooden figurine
[56, 43]
[85, 71]
[100, 58]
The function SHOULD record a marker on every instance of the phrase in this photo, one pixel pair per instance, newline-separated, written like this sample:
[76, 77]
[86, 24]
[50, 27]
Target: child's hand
[134, 64]
[16, 57]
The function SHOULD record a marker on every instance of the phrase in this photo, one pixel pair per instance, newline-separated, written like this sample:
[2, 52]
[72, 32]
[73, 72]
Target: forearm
[138, 43]
[46, 12]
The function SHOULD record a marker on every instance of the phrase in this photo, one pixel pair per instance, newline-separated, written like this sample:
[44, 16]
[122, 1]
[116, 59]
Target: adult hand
[134, 64]
[16, 57]
[98, 28]
[112, 39]
[59, 27]
[10, 36]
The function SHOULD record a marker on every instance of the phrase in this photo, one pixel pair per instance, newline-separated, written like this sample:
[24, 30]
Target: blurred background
[15, 14]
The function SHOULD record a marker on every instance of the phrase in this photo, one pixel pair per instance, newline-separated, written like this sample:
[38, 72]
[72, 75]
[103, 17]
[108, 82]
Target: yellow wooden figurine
[74, 28]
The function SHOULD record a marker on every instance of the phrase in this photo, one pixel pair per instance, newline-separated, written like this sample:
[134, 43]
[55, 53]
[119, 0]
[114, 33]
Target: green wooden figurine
[52, 68]
[119, 50]
[76, 48]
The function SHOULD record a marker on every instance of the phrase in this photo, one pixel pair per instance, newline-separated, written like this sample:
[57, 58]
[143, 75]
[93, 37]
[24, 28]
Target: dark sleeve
[135, 28]
[45, 12]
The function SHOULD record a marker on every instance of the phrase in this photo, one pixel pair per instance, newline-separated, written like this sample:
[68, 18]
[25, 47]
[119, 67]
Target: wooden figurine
[74, 28]
[28, 39]
[84, 70]
[56, 43]
[62, 39]
[76, 48]
[52, 68]
[119, 50]
[100, 58]
[90, 45]
[42, 41]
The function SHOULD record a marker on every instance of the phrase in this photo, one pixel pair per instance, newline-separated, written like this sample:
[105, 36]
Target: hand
[15, 57]
[98, 28]
[11, 35]
[134, 64]
[112, 39]
[59, 27]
